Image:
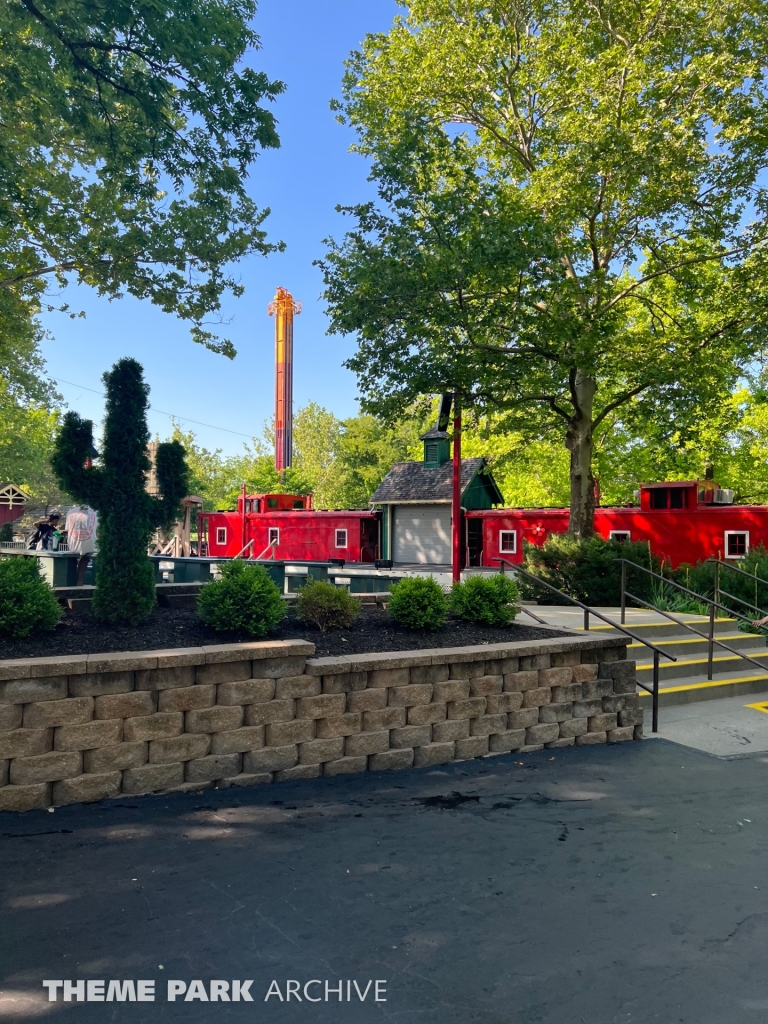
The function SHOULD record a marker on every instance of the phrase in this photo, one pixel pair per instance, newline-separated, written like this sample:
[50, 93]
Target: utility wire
[173, 415]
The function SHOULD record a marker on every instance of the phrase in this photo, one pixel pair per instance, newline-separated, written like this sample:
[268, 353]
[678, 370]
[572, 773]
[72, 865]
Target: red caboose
[285, 527]
[682, 520]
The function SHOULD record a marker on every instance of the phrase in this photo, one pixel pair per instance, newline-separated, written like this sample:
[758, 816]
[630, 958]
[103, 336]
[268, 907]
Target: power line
[173, 415]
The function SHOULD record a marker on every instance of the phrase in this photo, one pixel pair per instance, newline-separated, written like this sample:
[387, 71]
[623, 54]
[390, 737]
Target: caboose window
[507, 542]
[659, 497]
[622, 536]
[272, 503]
[221, 535]
[676, 497]
[341, 538]
[736, 543]
[274, 535]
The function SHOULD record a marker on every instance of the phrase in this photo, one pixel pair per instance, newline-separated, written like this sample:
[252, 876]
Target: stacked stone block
[92, 727]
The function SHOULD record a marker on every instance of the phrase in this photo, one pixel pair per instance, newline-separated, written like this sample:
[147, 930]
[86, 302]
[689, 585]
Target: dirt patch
[166, 628]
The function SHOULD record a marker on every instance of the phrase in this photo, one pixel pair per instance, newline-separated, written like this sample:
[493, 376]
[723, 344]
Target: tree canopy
[570, 228]
[128, 131]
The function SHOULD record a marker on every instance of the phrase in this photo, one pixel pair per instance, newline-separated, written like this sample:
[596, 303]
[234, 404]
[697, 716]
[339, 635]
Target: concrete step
[651, 630]
[699, 688]
[689, 645]
[723, 663]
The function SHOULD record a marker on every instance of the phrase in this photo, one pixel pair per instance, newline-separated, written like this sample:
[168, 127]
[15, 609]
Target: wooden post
[242, 536]
[456, 488]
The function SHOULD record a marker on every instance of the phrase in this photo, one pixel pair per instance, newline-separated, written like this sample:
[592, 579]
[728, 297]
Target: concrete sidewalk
[596, 885]
[735, 727]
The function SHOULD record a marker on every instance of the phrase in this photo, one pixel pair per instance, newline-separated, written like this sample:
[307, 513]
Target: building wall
[89, 727]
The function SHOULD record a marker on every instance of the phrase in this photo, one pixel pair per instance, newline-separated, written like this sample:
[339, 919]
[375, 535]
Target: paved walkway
[595, 885]
[572, 617]
[735, 727]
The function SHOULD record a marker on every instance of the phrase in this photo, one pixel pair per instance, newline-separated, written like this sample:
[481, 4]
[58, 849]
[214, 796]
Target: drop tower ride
[283, 308]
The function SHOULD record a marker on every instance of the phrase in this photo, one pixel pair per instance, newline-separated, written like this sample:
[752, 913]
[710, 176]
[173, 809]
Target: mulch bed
[374, 631]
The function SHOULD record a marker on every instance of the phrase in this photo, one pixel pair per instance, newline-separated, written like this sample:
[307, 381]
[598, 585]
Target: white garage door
[422, 534]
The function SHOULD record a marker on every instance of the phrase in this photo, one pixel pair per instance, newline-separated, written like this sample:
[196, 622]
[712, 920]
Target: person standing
[82, 523]
[44, 530]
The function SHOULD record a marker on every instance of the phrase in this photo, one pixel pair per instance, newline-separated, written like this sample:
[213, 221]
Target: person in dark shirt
[44, 530]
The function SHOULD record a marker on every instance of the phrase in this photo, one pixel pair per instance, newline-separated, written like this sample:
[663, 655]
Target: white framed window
[736, 543]
[274, 535]
[622, 536]
[221, 535]
[508, 542]
[341, 538]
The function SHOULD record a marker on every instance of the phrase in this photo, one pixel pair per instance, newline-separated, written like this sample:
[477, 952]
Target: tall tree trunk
[579, 442]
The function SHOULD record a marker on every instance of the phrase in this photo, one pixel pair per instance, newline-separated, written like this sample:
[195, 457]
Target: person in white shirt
[82, 524]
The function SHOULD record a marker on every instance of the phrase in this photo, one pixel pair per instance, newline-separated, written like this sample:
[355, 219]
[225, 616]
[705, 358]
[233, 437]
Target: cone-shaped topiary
[125, 585]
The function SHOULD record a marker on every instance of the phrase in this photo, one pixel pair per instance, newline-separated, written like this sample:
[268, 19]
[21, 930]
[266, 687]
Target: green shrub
[27, 603]
[244, 598]
[418, 602]
[327, 606]
[588, 570]
[486, 600]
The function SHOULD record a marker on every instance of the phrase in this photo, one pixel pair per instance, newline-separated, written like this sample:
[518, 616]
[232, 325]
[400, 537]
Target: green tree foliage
[341, 462]
[125, 586]
[245, 598]
[418, 603]
[571, 216]
[128, 131]
[27, 603]
[486, 600]
[327, 606]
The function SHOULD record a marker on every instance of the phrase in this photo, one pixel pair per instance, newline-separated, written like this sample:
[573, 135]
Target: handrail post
[623, 591]
[711, 654]
[655, 695]
[586, 619]
[717, 585]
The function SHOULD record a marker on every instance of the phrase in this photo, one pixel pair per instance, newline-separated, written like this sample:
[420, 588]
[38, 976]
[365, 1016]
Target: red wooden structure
[285, 527]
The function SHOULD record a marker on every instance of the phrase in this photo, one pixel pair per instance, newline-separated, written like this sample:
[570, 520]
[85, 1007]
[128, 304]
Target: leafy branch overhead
[128, 131]
[571, 215]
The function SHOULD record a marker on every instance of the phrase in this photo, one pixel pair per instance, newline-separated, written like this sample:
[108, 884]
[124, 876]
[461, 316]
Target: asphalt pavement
[600, 885]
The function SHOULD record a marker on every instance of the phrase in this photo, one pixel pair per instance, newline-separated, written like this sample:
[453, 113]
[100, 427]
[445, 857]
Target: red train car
[286, 527]
[683, 521]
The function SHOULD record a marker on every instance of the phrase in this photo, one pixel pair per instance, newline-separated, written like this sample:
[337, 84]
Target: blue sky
[304, 43]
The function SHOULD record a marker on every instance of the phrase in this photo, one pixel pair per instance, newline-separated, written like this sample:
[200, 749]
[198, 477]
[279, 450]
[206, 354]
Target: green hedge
[27, 603]
[486, 600]
[418, 603]
[589, 570]
[245, 598]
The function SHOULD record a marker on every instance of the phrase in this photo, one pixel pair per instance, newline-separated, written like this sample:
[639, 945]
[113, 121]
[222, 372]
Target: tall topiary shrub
[125, 584]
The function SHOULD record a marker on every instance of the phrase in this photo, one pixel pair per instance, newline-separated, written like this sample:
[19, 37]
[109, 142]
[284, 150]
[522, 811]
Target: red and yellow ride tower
[283, 308]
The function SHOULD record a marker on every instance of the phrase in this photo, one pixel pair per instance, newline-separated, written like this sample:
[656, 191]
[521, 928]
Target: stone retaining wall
[89, 727]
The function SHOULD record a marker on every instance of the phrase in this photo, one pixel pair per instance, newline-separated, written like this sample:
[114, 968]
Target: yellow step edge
[636, 625]
[702, 661]
[669, 642]
[707, 685]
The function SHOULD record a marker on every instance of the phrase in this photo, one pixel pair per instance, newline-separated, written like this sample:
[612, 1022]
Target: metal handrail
[243, 550]
[657, 651]
[713, 606]
[718, 563]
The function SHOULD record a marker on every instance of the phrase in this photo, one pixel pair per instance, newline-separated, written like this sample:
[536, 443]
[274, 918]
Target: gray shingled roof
[413, 481]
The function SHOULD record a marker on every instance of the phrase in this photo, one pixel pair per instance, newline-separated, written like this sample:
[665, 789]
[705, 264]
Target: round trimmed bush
[244, 598]
[327, 606]
[27, 603]
[486, 600]
[418, 602]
